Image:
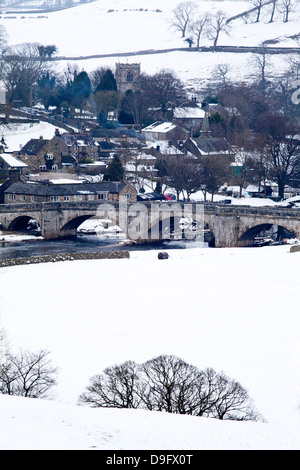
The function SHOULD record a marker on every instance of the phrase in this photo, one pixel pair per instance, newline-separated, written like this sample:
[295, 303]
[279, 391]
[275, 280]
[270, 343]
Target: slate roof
[69, 189]
[82, 140]
[213, 145]
[33, 146]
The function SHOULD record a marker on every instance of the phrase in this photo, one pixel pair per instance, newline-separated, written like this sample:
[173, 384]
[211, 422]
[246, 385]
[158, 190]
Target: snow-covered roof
[12, 161]
[189, 113]
[160, 127]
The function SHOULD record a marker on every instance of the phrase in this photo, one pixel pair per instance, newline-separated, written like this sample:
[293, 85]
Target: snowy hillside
[40, 425]
[123, 26]
[235, 310]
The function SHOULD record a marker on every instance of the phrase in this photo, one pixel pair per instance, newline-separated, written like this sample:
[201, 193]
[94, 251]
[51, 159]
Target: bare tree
[229, 400]
[182, 16]
[137, 105]
[182, 175]
[273, 10]
[198, 27]
[115, 388]
[285, 7]
[262, 62]
[279, 144]
[164, 89]
[221, 72]
[28, 375]
[22, 67]
[258, 4]
[214, 172]
[218, 23]
[168, 383]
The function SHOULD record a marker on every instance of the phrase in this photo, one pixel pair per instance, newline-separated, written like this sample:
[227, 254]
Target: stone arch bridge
[231, 225]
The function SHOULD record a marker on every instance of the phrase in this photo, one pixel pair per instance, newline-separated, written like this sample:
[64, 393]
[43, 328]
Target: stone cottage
[20, 192]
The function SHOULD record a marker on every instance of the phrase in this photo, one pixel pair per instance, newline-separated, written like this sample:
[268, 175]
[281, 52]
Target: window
[54, 167]
[11, 197]
[66, 198]
[22, 197]
[128, 195]
[129, 77]
[91, 197]
[49, 156]
[54, 198]
[43, 167]
[103, 196]
[33, 199]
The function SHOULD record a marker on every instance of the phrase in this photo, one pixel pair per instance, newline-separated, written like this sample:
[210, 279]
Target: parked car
[170, 197]
[155, 197]
[225, 201]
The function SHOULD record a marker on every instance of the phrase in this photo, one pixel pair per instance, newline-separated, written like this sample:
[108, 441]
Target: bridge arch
[265, 229]
[75, 222]
[21, 223]
[70, 228]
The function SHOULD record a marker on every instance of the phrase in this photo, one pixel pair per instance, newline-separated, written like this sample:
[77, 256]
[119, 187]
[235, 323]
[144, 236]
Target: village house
[20, 192]
[9, 162]
[163, 131]
[62, 151]
[209, 146]
[190, 117]
[141, 164]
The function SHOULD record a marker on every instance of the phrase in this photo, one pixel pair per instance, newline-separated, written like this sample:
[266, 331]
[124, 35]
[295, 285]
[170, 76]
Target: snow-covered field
[236, 310]
[136, 25]
[17, 135]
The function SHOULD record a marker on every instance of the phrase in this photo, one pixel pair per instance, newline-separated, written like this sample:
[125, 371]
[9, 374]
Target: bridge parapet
[228, 223]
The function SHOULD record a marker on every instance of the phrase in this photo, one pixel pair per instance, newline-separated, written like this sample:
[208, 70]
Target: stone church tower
[128, 77]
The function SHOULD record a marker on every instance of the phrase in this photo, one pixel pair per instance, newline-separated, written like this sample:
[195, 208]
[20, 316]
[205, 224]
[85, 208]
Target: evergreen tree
[115, 170]
[107, 82]
[81, 89]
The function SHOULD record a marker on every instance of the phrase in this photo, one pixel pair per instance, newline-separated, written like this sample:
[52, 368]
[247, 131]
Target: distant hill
[39, 4]
[124, 29]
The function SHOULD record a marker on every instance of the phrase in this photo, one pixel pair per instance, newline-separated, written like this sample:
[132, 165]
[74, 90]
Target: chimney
[14, 175]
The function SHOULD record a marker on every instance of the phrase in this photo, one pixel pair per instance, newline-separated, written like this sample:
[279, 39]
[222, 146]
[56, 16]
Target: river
[81, 244]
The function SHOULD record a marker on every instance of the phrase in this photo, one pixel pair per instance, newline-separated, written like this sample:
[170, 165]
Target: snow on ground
[41, 425]
[17, 135]
[140, 17]
[95, 22]
[235, 310]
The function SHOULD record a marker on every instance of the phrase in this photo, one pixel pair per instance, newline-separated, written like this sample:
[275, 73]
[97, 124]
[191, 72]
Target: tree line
[29, 79]
[169, 384]
[164, 383]
[194, 26]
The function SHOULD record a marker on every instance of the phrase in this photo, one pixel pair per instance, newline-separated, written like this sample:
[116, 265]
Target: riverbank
[64, 257]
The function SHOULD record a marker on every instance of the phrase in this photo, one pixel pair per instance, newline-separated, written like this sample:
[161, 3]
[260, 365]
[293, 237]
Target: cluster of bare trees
[190, 22]
[27, 374]
[186, 174]
[263, 128]
[283, 7]
[195, 26]
[167, 383]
